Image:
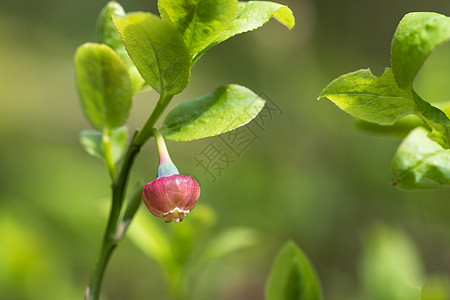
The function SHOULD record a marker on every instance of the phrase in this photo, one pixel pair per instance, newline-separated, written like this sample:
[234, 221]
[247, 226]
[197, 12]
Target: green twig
[131, 208]
[147, 129]
[118, 187]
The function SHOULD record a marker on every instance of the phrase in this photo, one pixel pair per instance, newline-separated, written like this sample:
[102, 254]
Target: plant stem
[118, 186]
[106, 143]
[109, 242]
[147, 129]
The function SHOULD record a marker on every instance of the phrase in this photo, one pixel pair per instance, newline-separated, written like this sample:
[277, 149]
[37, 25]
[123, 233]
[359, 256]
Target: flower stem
[118, 187]
[162, 149]
[166, 167]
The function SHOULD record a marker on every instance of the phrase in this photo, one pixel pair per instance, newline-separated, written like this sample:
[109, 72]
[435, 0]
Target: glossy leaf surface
[416, 36]
[103, 85]
[380, 100]
[370, 98]
[227, 108]
[158, 51]
[436, 119]
[420, 162]
[198, 21]
[251, 15]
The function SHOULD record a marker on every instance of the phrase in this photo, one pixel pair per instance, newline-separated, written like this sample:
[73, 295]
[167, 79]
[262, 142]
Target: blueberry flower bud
[171, 196]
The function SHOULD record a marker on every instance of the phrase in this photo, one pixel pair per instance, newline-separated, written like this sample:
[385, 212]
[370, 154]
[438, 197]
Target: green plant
[139, 50]
[292, 276]
[391, 268]
[184, 252]
[389, 104]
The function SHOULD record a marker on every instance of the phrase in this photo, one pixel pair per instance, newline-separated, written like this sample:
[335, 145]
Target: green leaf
[292, 276]
[227, 108]
[91, 141]
[420, 162]
[104, 85]
[416, 36]
[151, 239]
[188, 235]
[158, 51]
[436, 288]
[106, 30]
[229, 241]
[436, 119]
[381, 101]
[251, 15]
[108, 34]
[400, 129]
[370, 98]
[447, 111]
[390, 266]
[199, 21]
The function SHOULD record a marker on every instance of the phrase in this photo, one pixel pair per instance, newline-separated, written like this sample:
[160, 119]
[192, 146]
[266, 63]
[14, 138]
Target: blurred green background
[310, 176]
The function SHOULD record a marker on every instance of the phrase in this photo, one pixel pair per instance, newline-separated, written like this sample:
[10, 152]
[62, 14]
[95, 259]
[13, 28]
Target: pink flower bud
[171, 197]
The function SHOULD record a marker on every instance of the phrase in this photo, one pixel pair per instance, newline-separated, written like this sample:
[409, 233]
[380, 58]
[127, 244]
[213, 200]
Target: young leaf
[187, 236]
[224, 243]
[106, 31]
[370, 98]
[158, 51]
[381, 101]
[229, 241]
[104, 85]
[108, 34]
[151, 239]
[251, 15]
[436, 119]
[420, 162]
[416, 36]
[390, 266]
[199, 21]
[447, 111]
[292, 277]
[227, 108]
[436, 288]
[91, 140]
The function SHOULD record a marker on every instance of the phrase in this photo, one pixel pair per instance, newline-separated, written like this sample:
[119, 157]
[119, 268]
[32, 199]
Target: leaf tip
[285, 16]
[320, 95]
[290, 244]
[116, 19]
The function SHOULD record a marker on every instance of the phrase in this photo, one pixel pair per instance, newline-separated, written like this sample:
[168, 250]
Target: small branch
[147, 129]
[110, 238]
[109, 243]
